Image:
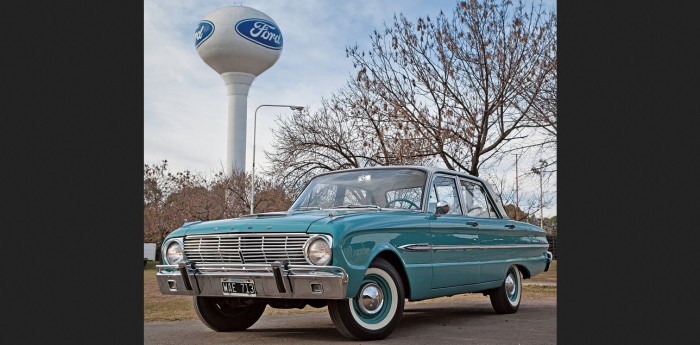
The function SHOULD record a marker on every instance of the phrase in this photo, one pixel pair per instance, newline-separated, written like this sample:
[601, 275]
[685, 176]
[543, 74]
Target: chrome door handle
[473, 224]
[510, 226]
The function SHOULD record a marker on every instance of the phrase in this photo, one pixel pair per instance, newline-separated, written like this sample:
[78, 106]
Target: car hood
[273, 222]
[287, 222]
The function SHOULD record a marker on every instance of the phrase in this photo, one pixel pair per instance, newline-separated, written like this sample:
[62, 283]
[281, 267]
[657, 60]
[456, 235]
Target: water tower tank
[239, 43]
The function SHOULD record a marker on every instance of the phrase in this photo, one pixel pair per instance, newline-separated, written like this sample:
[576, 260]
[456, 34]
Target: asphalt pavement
[450, 321]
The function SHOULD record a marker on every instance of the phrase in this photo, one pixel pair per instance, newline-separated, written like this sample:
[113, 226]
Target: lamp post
[255, 124]
[516, 187]
[540, 172]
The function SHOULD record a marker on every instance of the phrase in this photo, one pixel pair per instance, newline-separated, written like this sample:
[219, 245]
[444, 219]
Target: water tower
[239, 43]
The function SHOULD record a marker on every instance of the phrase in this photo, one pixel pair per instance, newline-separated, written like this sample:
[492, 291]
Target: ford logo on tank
[203, 31]
[260, 31]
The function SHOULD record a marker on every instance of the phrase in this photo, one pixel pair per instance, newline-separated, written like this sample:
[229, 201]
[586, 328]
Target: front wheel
[227, 314]
[506, 298]
[376, 310]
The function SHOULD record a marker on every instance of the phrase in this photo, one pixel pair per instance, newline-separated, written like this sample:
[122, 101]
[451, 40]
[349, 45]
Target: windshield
[385, 188]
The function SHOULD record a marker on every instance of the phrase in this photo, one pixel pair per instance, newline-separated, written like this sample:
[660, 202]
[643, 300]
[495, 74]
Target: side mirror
[442, 207]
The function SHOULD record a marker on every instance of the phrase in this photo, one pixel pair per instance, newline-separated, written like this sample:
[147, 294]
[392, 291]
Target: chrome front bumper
[275, 280]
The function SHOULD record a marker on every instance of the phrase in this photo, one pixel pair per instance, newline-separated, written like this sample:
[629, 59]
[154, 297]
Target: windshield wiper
[307, 208]
[358, 206]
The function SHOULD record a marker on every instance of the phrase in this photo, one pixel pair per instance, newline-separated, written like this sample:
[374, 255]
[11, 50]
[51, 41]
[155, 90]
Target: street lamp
[540, 172]
[255, 124]
[516, 187]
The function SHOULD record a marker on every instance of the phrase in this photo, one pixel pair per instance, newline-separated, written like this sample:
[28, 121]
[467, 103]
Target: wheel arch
[525, 272]
[394, 259]
[356, 266]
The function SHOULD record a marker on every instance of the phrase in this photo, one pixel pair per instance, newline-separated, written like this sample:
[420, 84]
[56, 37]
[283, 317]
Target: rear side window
[476, 203]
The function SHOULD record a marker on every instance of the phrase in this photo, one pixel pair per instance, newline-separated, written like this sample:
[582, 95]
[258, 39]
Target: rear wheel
[506, 298]
[227, 314]
[376, 310]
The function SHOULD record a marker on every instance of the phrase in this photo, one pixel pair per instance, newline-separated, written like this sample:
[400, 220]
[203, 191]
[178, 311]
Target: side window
[446, 190]
[475, 201]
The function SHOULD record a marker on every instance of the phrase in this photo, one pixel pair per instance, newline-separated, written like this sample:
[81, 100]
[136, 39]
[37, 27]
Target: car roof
[429, 169]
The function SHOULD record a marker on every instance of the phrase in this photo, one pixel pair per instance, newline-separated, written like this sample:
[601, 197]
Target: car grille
[246, 248]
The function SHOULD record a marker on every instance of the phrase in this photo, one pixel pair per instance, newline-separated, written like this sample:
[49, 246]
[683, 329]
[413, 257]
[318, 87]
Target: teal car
[361, 242]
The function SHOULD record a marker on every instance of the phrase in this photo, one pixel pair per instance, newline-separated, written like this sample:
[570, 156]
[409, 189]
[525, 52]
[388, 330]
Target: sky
[185, 105]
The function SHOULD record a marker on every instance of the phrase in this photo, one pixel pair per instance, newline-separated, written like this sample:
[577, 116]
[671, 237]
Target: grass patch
[549, 276]
[159, 307]
[151, 265]
[539, 291]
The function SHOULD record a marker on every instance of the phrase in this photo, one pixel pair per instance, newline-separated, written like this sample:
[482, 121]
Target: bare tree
[271, 196]
[528, 207]
[464, 85]
[460, 91]
[234, 189]
[157, 186]
[194, 199]
[309, 143]
[349, 131]
[170, 199]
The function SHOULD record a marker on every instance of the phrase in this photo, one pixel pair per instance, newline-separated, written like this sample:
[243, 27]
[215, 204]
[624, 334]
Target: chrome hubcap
[510, 285]
[371, 298]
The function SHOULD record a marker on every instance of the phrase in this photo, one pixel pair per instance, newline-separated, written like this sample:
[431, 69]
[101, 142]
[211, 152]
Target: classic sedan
[360, 241]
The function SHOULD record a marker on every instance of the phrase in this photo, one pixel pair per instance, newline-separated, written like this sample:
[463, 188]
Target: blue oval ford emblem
[203, 31]
[260, 31]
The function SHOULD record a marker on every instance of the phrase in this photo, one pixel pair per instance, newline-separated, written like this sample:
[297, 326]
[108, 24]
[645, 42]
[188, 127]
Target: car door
[454, 238]
[496, 235]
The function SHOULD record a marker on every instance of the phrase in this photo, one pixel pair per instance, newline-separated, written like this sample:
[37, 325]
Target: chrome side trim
[420, 247]
[424, 247]
[453, 247]
[509, 246]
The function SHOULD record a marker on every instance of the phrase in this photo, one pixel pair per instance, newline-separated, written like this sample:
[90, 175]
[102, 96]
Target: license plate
[239, 287]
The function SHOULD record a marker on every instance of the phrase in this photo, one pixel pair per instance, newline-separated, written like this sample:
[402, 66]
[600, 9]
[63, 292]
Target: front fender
[360, 238]
[357, 262]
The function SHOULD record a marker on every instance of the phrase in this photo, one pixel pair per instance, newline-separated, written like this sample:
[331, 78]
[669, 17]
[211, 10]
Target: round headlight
[174, 253]
[318, 251]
